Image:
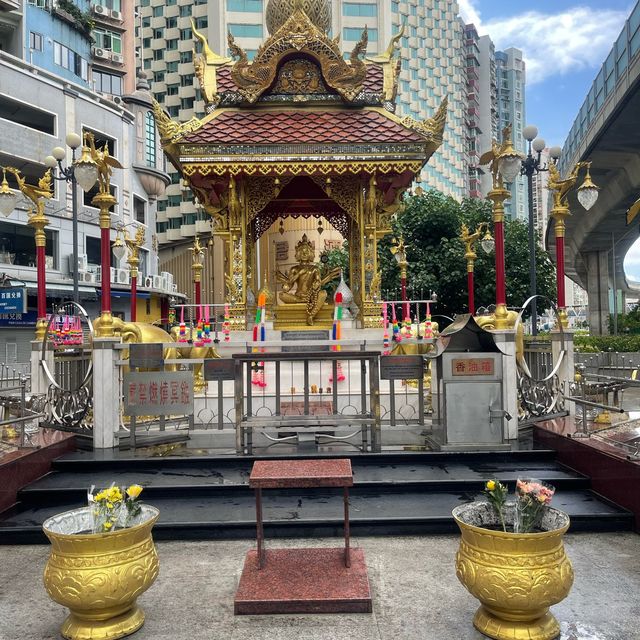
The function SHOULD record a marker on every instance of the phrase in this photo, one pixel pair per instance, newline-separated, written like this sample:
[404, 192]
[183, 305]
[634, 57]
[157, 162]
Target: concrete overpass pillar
[598, 291]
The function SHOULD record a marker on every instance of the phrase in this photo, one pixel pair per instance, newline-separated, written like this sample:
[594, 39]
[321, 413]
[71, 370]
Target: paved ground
[415, 594]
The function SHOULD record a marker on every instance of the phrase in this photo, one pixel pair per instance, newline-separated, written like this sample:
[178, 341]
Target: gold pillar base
[501, 317]
[563, 319]
[41, 329]
[371, 315]
[502, 628]
[105, 327]
[76, 628]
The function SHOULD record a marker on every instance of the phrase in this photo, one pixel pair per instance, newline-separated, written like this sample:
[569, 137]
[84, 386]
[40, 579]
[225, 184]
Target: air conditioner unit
[163, 283]
[100, 10]
[117, 99]
[157, 282]
[81, 266]
[116, 15]
[168, 277]
[87, 276]
[100, 53]
[174, 288]
[148, 282]
[117, 58]
[122, 276]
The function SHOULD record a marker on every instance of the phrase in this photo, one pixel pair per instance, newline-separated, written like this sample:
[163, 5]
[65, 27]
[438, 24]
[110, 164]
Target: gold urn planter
[516, 576]
[99, 576]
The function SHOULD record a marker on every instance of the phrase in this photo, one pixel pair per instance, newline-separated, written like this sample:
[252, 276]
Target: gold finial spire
[319, 12]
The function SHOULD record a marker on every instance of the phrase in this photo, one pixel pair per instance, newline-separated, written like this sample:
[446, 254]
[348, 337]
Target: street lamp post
[470, 255]
[505, 166]
[587, 196]
[38, 196]
[197, 265]
[532, 165]
[399, 252]
[84, 172]
[125, 244]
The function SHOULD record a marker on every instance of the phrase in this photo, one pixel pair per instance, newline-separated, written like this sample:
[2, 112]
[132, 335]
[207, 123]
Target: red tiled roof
[301, 126]
[373, 82]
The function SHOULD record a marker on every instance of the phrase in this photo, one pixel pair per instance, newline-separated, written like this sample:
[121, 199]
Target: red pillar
[134, 297]
[197, 285]
[105, 259]
[501, 290]
[560, 271]
[472, 304]
[42, 282]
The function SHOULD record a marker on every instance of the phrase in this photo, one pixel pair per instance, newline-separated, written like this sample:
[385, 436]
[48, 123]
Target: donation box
[469, 368]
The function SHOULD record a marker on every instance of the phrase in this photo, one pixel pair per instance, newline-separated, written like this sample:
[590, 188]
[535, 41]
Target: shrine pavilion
[299, 132]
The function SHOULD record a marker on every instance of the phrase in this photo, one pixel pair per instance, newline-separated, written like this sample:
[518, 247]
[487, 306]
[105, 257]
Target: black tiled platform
[203, 497]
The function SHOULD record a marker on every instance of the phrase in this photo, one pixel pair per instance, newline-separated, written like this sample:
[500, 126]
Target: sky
[564, 43]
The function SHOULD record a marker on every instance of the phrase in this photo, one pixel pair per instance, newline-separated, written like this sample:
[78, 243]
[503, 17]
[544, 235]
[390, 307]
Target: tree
[332, 258]
[431, 224]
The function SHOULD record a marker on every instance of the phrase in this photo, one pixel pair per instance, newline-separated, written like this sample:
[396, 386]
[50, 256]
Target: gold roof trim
[206, 67]
[390, 66]
[431, 128]
[299, 35]
[170, 131]
[301, 168]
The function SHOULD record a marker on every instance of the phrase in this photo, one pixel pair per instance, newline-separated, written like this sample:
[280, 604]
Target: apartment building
[432, 68]
[510, 84]
[45, 93]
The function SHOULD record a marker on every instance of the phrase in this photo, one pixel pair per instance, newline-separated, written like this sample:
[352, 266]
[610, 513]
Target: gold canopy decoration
[319, 12]
[298, 35]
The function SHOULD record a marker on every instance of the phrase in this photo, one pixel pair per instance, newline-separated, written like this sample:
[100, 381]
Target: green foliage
[83, 19]
[331, 259]
[431, 226]
[627, 322]
[594, 344]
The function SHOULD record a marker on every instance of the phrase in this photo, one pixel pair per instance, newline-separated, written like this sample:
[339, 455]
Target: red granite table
[324, 580]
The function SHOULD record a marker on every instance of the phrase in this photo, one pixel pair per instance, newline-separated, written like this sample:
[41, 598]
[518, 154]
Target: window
[245, 5]
[158, 54]
[353, 9]
[246, 30]
[186, 56]
[172, 67]
[157, 12]
[150, 139]
[113, 5]
[101, 139]
[185, 10]
[172, 45]
[38, 3]
[70, 60]
[27, 116]
[186, 34]
[202, 23]
[17, 246]
[109, 40]
[107, 82]
[354, 34]
[35, 41]
[139, 208]
[172, 23]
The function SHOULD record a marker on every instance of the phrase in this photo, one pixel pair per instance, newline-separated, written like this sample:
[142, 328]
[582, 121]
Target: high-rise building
[510, 85]
[45, 94]
[432, 68]
[488, 107]
[113, 52]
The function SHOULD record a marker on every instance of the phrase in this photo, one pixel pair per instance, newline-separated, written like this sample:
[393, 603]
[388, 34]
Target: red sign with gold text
[472, 367]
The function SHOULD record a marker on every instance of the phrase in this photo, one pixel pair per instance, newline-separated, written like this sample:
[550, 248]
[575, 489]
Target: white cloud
[632, 262]
[468, 12]
[552, 44]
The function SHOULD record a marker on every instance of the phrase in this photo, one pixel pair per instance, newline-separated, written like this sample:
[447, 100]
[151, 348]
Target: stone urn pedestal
[516, 576]
[99, 576]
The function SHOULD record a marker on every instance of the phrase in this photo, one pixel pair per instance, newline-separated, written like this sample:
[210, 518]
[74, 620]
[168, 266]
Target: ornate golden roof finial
[206, 67]
[318, 11]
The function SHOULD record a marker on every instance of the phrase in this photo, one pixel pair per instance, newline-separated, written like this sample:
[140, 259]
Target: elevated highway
[607, 132]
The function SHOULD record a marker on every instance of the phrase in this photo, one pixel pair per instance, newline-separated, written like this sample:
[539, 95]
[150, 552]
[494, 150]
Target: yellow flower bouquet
[114, 507]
